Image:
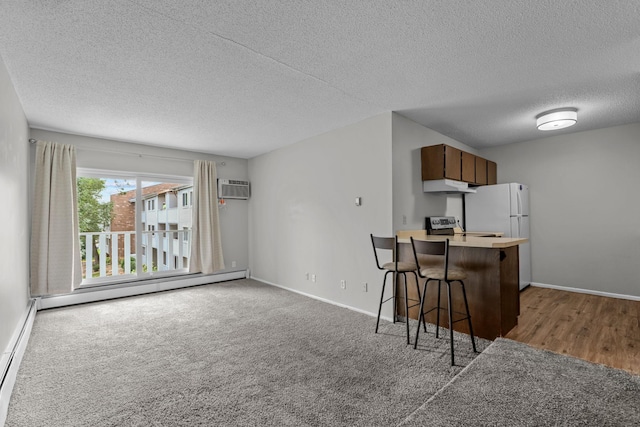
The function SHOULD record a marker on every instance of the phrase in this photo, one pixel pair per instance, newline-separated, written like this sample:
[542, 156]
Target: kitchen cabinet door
[432, 162]
[440, 161]
[481, 171]
[452, 163]
[492, 172]
[468, 167]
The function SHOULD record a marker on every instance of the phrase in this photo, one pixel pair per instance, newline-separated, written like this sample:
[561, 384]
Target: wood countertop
[472, 240]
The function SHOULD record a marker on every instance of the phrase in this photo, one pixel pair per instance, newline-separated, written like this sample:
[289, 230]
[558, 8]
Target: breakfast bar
[492, 282]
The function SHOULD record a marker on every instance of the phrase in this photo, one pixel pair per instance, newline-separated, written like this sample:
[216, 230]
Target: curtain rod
[155, 156]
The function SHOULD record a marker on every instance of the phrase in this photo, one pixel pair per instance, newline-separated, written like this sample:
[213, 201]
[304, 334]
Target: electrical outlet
[365, 287]
[233, 264]
[313, 278]
[404, 220]
[343, 284]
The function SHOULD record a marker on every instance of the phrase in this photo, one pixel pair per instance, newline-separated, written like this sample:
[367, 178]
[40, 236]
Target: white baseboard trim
[94, 294]
[328, 301]
[11, 360]
[586, 291]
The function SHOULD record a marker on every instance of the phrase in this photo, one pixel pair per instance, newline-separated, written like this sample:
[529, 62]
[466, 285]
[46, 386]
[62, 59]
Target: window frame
[139, 178]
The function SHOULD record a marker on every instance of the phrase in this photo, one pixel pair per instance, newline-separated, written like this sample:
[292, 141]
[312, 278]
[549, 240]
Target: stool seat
[402, 266]
[439, 273]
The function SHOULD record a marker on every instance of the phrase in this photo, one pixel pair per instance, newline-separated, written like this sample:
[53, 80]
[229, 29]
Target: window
[187, 199]
[122, 233]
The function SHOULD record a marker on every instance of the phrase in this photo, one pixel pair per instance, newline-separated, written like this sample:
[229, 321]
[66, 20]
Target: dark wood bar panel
[492, 287]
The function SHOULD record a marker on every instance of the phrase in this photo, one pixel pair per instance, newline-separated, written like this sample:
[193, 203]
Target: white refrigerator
[502, 208]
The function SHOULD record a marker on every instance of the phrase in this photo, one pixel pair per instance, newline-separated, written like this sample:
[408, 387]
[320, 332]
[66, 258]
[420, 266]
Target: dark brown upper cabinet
[481, 171]
[443, 161]
[492, 172]
[468, 167]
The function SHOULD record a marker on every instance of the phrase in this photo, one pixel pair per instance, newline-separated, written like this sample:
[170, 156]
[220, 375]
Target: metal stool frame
[391, 243]
[442, 249]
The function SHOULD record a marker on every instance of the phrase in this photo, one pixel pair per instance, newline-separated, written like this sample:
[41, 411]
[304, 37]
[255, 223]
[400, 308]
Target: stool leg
[424, 323]
[406, 307]
[395, 285]
[384, 281]
[466, 305]
[421, 315]
[450, 320]
[438, 312]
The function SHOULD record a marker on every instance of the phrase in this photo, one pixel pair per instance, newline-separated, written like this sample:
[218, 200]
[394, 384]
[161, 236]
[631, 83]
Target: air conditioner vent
[233, 189]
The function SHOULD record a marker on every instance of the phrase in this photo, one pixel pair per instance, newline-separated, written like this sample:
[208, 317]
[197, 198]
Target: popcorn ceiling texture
[243, 78]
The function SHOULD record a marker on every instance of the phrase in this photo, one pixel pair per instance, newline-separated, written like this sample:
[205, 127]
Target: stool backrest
[440, 248]
[388, 243]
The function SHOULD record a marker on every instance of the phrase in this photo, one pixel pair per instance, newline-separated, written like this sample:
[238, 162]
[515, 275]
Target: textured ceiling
[241, 78]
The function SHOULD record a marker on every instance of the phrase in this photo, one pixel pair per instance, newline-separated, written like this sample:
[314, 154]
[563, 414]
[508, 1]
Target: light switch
[358, 201]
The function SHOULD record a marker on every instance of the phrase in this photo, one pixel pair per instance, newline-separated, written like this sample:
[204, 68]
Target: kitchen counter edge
[461, 240]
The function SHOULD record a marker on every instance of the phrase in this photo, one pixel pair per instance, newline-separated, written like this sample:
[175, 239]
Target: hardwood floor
[599, 329]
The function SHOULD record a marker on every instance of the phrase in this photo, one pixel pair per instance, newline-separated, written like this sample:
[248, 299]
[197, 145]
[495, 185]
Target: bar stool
[395, 267]
[441, 273]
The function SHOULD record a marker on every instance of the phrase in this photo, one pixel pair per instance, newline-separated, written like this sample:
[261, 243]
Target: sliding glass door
[133, 227]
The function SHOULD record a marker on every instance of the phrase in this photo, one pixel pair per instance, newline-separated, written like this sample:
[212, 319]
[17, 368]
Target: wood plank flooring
[595, 328]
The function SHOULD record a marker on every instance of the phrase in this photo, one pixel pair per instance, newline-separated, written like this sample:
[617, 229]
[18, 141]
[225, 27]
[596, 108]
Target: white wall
[408, 198]
[128, 157]
[303, 218]
[576, 181]
[302, 214]
[14, 215]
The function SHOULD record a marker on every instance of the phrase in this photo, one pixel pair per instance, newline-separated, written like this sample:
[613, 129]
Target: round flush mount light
[557, 119]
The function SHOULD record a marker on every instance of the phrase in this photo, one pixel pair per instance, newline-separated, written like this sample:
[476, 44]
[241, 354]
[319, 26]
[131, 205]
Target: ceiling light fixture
[557, 119]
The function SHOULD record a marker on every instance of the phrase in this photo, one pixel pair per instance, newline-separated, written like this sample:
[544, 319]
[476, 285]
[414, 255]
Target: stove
[443, 225]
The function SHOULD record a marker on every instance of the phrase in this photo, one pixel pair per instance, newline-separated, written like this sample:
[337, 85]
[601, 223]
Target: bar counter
[492, 282]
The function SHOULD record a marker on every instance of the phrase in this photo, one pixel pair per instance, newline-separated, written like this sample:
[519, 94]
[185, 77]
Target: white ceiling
[241, 78]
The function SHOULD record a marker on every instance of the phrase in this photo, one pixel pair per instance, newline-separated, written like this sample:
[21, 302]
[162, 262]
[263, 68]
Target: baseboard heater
[10, 365]
[103, 293]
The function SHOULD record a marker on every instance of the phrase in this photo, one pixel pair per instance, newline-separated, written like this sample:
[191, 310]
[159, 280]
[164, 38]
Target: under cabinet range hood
[446, 186]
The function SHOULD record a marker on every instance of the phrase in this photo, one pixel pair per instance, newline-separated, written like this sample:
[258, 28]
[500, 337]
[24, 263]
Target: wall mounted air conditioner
[233, 189]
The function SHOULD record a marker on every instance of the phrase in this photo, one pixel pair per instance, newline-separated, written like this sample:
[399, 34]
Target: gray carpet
[237, 353]
[512, 384]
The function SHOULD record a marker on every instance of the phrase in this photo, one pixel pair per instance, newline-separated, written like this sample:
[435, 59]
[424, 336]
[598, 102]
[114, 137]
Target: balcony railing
[165, 250]
[168, 215]
[111, 254]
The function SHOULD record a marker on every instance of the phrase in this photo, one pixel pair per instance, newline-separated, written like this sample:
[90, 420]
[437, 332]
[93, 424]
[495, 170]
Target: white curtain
[55, 243]
[206, 245]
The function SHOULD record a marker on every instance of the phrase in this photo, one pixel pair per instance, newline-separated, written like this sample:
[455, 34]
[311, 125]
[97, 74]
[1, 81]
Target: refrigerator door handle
[519, 226]
[519, 199]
